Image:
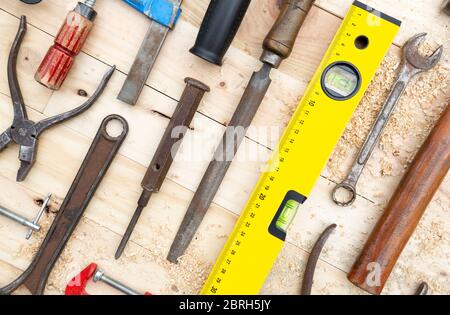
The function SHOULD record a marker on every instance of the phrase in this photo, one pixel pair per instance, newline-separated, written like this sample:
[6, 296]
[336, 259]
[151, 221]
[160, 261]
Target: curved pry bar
[14, 87]
[308, 278]
[51, 121]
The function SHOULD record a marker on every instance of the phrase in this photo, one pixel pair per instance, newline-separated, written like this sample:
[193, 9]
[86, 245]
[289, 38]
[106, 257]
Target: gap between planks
[124, 73]
[234, 215]
[146, 248]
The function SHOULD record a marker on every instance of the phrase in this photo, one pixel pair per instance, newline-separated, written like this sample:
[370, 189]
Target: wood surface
[405, 209]
[114, 40]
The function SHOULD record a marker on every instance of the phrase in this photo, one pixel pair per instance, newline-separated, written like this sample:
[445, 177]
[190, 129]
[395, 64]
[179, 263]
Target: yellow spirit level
[330, 100]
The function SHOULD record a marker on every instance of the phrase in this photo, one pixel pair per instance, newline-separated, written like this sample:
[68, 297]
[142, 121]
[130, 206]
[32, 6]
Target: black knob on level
[219, 26]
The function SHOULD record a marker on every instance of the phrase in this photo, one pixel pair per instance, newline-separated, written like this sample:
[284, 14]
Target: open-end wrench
[413, 63]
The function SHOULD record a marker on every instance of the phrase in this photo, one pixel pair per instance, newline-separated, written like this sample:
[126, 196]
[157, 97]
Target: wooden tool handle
[69, 41]
[283, 34]
[404, 211]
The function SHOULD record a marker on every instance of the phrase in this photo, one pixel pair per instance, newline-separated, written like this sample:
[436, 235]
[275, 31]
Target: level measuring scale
[320, 119]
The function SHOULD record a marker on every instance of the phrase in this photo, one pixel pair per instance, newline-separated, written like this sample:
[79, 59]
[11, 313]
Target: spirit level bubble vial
[320, 119]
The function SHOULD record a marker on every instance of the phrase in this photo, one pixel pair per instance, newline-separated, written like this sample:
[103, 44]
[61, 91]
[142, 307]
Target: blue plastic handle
[165, 12]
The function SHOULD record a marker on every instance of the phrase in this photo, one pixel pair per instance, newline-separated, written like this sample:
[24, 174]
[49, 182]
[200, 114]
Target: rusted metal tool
[277, 46]
[23, 131]
[95, 165]
[164, 15]
[422, 289]
[69, 41]
[163, 158]
[404, 211]
[413, 63]
[308, 277]
[446, 6]
[77, 286]
[33, 226]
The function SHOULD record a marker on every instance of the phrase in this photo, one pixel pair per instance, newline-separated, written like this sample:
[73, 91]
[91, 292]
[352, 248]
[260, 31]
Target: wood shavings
[186, 277]
[418, 110]
[28, 251]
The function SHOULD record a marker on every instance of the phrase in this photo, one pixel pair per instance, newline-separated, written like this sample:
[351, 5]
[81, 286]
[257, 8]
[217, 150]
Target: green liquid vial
[287, 215]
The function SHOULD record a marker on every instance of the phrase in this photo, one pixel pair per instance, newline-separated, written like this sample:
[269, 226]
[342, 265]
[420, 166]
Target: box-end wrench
[95, 165]
[413, 63]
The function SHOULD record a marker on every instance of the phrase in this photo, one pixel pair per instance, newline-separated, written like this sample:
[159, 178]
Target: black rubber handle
[219, 26]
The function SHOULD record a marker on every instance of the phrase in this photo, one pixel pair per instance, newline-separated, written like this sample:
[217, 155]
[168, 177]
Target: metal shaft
[277, 46]
[19, 219]
[100, 276]
[235, 133]
[163, 158]
[90, 3]
[39, 215]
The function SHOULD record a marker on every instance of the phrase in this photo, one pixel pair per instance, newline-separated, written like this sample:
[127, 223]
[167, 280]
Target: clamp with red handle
[77, 286]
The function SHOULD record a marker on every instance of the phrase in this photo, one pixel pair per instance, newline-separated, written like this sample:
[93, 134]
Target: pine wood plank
[417, 17]
[113, 215]
[33, 48]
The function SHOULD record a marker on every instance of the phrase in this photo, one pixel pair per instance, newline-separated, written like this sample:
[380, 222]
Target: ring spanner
[23, 131]
[413, 63]
[95, 165]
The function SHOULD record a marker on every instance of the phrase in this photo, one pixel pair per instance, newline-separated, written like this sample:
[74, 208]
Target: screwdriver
[68, 43]
[168, 147]
[277, 46]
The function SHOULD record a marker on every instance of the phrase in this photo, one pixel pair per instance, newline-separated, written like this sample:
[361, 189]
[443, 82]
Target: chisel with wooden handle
[277, 46]
[404, 211]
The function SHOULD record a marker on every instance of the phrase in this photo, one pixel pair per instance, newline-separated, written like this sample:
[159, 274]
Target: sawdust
[186, 277]
[418, 110]
[28, 251]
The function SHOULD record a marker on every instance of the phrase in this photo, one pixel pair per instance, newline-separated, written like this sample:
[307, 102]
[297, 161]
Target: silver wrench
[413, 63]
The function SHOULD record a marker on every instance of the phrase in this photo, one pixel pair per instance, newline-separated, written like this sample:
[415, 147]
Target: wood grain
[115, 39]
[404, 211]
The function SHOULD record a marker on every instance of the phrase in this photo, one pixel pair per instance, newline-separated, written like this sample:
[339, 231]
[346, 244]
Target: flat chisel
[277, 46]
[164, 15]
[163, 158]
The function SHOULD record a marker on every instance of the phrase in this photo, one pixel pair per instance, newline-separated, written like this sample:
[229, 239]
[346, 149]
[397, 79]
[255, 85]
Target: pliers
[23, 131]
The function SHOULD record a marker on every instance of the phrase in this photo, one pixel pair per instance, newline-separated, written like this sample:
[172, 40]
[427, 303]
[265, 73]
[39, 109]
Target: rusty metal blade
[143, 63]
[242, 118]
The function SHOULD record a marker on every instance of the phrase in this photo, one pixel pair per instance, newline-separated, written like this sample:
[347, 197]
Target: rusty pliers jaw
[23, 131]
